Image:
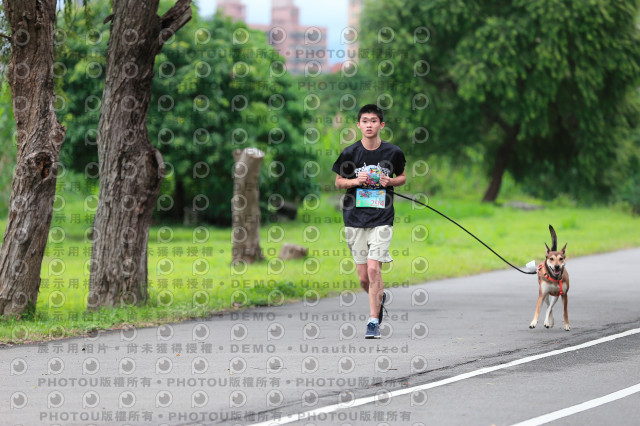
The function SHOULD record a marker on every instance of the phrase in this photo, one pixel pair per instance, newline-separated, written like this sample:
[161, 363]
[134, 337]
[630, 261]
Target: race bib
[371, 198]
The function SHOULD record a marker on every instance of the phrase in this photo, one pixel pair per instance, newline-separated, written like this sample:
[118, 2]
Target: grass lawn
[190, 274]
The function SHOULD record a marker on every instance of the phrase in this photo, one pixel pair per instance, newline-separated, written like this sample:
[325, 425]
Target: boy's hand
[362, 178]
[384, 180]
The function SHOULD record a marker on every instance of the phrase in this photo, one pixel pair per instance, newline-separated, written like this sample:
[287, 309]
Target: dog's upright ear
[545, 244]
[563, 249]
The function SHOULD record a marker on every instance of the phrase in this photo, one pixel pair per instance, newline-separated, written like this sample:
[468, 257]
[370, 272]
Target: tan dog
[553, 280]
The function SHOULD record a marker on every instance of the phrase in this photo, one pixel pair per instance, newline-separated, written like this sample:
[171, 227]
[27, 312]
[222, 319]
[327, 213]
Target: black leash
[463, 228]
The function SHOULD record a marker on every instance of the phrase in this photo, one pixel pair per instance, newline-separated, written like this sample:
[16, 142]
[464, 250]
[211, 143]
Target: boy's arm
[345, 183]
[396, 181]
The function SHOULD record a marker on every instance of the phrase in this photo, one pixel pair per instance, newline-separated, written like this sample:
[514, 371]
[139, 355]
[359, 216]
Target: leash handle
[463, 228]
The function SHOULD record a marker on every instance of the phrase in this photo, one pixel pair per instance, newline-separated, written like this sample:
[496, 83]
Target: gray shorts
[369, 243]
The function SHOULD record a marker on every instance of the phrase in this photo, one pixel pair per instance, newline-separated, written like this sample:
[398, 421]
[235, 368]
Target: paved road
[308, 362]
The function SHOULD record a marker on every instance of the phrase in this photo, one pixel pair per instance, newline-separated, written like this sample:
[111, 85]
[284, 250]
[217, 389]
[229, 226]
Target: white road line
[580, 407]
[306, 415]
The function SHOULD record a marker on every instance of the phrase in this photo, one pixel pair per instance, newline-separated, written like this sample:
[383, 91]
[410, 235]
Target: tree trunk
[245, 206]
[39, 137]
[131, 169]
[502, 159]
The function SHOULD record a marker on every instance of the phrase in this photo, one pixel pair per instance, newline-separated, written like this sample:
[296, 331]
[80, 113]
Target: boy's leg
[357, 242]
[379, 242]
[370, 247]
[376, 286]
[363, 276]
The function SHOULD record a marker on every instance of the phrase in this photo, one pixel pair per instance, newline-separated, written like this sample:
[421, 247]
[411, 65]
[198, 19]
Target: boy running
[366, 169]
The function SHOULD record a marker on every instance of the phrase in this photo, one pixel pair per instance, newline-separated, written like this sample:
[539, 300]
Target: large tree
[543, 88]
[204, 105]
[131, 169]
[214, 96]
[39, 138]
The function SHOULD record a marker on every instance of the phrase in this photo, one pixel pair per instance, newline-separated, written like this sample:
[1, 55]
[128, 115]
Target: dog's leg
[548, 322]
[565, 301]
[534, 321]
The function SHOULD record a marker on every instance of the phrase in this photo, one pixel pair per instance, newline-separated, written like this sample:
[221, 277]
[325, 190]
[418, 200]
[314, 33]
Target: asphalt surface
[308, 364]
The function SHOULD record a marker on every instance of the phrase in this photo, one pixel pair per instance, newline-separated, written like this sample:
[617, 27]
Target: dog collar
[543, 271]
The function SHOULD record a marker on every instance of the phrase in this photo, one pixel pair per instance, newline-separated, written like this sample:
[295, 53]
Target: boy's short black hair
[371, 109]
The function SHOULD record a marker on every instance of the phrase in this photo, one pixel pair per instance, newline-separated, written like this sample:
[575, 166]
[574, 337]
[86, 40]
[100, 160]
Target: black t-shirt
[388, 159]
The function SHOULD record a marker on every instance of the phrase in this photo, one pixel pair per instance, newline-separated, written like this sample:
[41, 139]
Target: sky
[326, 13]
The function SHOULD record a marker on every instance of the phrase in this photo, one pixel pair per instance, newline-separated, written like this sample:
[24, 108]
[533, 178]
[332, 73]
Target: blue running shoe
[373, 331]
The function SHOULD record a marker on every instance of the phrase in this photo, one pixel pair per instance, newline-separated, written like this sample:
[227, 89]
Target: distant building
[233, 8]
[304, 48]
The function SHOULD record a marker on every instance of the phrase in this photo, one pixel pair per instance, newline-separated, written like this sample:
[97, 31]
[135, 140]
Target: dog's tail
[554, 239]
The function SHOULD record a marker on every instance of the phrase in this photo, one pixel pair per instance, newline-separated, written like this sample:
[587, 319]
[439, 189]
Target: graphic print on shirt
[374, 173]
